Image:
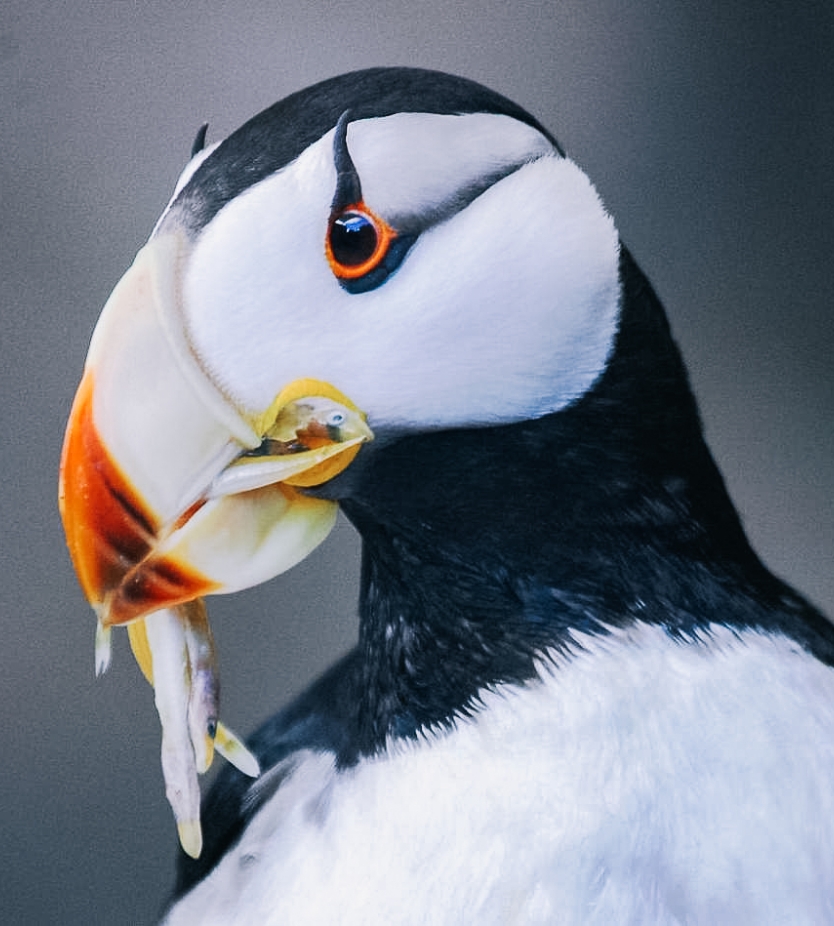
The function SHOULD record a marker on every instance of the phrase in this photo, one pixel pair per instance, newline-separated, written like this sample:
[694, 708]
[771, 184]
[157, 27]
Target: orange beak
[111, 532]
[167, 491]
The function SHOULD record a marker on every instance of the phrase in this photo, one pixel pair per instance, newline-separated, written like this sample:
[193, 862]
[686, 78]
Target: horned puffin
[577, 695]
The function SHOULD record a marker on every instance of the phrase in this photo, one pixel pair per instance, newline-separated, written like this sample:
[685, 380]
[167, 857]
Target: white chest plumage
[642, 781]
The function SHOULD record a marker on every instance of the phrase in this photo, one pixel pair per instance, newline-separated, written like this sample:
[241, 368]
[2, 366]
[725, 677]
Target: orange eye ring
[357, 241]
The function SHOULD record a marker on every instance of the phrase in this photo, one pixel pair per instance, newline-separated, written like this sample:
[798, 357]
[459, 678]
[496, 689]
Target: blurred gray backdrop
[708, 129]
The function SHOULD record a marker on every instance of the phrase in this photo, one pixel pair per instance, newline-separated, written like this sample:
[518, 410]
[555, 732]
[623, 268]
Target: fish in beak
[169, 492]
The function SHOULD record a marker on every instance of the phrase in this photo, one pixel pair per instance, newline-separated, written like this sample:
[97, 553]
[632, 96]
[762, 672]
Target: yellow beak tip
[191, 837]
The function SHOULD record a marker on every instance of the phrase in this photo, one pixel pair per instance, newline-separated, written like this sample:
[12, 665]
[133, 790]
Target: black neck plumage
[482, 548]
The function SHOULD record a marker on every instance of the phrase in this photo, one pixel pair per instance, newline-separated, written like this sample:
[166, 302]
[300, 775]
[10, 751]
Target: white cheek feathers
[505, 310]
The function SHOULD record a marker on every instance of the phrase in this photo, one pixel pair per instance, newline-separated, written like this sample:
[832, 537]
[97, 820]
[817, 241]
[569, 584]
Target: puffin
[577, 695]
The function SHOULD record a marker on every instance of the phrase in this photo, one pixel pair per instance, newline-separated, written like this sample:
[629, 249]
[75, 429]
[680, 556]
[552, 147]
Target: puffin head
[388, 254]
[402, 249]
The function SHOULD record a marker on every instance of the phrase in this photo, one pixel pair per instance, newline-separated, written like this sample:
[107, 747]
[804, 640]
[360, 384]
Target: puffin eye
[357, 242]
[353, 240]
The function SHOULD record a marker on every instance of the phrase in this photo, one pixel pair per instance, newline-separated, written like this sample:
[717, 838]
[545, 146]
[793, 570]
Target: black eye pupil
[353, 239]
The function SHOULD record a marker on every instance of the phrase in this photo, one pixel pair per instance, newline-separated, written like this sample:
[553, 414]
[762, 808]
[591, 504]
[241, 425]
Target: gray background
[708, 130]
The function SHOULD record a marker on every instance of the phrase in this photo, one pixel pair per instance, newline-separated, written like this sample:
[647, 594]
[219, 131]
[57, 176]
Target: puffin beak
[169, 492]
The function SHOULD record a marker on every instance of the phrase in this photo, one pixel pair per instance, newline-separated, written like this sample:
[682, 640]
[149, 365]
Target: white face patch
[410, 163]
[504, 310]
